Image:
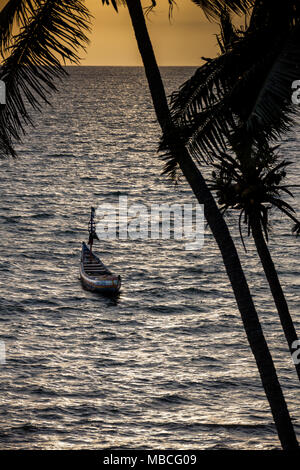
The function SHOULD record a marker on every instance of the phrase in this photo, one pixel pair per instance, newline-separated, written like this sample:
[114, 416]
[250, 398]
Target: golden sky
[184, 41]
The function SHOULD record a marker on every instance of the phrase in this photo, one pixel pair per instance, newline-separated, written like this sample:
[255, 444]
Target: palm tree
[36, 36]
[253, 190]
[26, 50]
[179, 154]
[242, 101]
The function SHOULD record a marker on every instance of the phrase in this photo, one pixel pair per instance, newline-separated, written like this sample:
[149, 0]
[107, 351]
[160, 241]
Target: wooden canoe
[95, 276]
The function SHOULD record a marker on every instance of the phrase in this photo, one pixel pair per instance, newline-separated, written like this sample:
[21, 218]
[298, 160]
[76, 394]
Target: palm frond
[280, 15]
[202, 90]
[252, 186]
[169, 155]
[207, 130]
[171, 167]
[240, 229]
[228, 34]
[272, 108]
[6, 147]
[287, 189]
[245, 93]
[214, 8]
[282, 205]
[296, 229]
[14, 10]
[54, 33]
[116, 3]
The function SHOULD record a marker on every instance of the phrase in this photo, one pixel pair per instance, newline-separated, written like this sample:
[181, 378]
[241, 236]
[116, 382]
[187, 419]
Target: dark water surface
[168, 364]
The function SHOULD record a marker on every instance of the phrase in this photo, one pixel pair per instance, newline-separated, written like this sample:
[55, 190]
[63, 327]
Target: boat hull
[99, 286]
[106, 284]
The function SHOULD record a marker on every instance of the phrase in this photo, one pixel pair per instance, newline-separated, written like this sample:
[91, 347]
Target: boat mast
[92, 229]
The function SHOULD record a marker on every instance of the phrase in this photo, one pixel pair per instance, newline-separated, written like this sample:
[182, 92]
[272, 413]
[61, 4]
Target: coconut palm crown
[243, 96]
[253, 187]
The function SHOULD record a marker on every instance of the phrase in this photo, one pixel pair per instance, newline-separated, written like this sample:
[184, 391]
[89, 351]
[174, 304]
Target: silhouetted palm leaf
[14, 10]
[253, 187]
[246, 91]
[296, 229]
[214, 8]
[272, 109]
[228, 34]
[113, 2]
[51, 32]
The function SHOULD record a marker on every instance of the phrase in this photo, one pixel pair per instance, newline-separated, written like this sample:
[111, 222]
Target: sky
[183, 41]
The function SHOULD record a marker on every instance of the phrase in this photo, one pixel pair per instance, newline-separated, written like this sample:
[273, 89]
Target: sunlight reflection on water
[168, 365]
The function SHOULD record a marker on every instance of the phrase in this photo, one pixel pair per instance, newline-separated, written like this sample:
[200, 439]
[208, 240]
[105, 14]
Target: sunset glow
[181, 41]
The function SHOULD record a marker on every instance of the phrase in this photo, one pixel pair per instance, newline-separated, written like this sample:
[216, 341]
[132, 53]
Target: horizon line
[120, 65]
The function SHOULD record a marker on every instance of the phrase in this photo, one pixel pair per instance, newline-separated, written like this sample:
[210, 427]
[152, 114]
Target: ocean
[167, 364]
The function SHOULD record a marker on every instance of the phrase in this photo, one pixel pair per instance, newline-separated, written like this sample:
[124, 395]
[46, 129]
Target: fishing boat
[94, 275]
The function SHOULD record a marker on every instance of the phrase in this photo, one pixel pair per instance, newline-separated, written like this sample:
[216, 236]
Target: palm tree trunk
[275, 286]
[220, 231]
